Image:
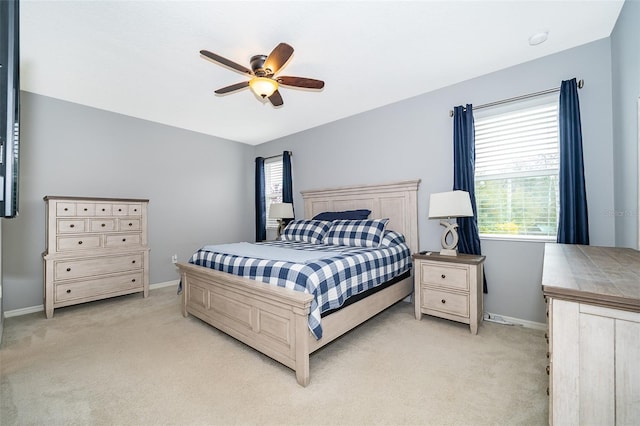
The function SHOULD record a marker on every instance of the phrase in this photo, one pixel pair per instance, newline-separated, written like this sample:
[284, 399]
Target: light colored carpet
[135, 361]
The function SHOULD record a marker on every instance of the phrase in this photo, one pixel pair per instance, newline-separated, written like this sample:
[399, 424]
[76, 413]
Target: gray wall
[625, 47]
[413, 139]
[199, 186]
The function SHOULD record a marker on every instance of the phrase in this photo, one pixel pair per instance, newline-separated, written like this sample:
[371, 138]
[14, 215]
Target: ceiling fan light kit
[263, 70]
[263, 86]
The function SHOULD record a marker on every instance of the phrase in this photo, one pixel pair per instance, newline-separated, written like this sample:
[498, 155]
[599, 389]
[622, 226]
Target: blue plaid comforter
[330, 280]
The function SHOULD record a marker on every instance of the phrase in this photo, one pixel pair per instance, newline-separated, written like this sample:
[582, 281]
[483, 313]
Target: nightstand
[449, 287]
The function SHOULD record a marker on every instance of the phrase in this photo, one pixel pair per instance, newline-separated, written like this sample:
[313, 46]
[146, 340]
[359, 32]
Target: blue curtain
[464, 168]
[573, 223]
[287, 181]
[261, 208]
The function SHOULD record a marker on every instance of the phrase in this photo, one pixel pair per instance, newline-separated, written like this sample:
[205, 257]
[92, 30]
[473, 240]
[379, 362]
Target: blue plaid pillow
[356, 233]
[392, 238]
[306, 231]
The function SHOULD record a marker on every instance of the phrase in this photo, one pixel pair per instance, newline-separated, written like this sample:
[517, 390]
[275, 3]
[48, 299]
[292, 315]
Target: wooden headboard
[397, 201]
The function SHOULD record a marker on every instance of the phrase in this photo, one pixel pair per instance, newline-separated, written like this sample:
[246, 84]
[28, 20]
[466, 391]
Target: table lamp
[447, 205]
[281, 211]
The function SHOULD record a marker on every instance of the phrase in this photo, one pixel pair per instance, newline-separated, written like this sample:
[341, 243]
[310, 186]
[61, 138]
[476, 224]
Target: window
[272, 186]
[516, 176]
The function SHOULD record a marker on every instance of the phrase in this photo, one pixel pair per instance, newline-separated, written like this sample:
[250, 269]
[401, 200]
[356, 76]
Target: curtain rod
[519, 98]
[276, 156]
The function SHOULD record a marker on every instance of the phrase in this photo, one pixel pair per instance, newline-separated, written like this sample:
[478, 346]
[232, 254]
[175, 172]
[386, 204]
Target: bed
[276, 320]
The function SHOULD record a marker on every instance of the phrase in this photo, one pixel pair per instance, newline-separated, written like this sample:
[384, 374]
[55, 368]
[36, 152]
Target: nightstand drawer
[445, 276]
[442, 301]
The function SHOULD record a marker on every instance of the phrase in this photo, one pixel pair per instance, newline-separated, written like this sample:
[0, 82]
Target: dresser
[593, 302]
[95, 248]
[449, 287]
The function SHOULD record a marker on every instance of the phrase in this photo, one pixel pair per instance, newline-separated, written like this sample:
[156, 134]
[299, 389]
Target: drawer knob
[547, 370]
[547, 390]
[68, 269]
[104, 209]
[72, 226]
[133, 261]
[130, 224]
[103, 225]
[68, 291]
[135, 210]
[443, 301]
[79, 242]
[119, 210]
[85, 209]
[133, 280]
[443, 276]
[124, 239]
[66, 209]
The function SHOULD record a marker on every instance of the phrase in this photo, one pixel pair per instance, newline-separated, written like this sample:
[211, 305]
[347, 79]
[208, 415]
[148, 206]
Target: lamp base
[449, 252]
[449, 248]
[281, 226]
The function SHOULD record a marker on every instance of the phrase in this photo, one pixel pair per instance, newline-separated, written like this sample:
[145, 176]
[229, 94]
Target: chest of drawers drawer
[122, 240]
[90, 289]
[128, 224]
[82, 242]
[102, 225]
[71, 226]
[77, 268]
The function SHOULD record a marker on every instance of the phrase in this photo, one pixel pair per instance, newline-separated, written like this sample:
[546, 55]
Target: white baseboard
[503, 319]
[164, 284]
[40, 308]
[24, 311]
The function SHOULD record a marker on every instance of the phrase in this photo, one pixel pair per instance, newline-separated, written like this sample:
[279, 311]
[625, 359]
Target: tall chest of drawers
[95, 248]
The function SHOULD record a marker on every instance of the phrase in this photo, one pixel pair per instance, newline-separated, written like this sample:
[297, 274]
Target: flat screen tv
[9, 107]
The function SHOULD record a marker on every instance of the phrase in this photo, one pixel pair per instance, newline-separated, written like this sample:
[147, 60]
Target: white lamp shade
[450, 204]
[281, 211]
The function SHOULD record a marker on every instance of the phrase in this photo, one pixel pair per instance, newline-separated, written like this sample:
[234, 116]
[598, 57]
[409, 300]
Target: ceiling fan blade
[307, 83]
[226, 62]
[278, 57]
[276, 99]
[232, 88]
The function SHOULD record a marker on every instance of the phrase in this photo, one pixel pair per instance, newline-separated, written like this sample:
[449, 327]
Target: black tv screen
[9, 106]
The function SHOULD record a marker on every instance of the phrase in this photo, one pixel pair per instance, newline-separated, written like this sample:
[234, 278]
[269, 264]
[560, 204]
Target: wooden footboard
[273, 320]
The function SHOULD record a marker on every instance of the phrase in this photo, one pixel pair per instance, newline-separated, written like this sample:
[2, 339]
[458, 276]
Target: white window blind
[272, 186]
[517, 159]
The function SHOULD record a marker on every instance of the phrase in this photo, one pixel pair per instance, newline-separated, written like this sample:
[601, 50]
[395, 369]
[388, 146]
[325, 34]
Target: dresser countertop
[602, 276]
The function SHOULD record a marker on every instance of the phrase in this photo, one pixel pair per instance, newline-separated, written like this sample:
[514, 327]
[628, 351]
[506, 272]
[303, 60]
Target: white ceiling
[141, 58]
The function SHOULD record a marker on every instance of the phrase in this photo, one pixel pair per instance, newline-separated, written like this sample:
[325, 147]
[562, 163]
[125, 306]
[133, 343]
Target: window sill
[518, 238]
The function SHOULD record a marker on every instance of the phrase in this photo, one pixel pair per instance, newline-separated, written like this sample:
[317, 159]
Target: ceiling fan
[264, 83]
